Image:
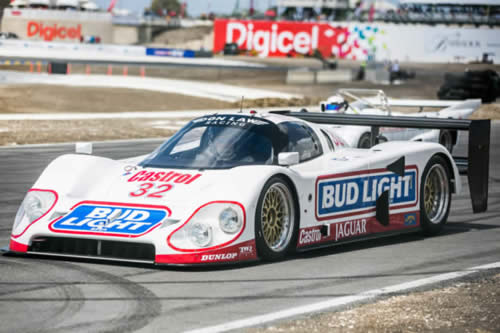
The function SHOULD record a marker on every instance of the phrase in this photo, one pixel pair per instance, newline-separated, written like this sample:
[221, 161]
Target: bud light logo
[112, 220]
[357, 193]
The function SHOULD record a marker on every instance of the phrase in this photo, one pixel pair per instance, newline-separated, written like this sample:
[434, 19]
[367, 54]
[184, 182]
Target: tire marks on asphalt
[69, 302]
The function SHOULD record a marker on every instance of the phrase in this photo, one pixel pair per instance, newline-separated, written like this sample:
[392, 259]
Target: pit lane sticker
[111, 220]
[337, 195]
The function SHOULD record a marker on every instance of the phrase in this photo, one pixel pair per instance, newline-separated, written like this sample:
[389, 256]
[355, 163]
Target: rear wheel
[276, 220]
[365, 141]
[435, 195]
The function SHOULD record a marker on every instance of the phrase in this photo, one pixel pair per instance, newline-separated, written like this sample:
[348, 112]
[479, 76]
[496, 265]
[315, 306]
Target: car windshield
[219, 142]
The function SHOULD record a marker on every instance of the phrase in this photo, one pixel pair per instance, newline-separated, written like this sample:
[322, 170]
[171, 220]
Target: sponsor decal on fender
[350, 229]
[309, 236]
[247, 250]
[243, 251]
[219, 256]
[338, 195]
[410, 219]
[112, 220]
[55, 31]
[164, 176]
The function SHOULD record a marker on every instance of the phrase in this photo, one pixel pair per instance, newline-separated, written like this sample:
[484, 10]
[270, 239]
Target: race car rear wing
[475, 165]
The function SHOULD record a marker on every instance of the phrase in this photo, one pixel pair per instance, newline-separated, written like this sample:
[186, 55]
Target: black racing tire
[276, 219]
[365, 141]
[435, 195]
[446, 139]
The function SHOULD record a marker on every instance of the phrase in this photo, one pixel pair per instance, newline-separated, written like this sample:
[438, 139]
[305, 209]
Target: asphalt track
[39, 294]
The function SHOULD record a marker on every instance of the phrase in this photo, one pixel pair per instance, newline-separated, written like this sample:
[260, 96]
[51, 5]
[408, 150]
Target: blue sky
[195, 7]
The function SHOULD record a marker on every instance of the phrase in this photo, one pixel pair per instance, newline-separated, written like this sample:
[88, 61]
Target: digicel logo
[50, 32]
[274, 41]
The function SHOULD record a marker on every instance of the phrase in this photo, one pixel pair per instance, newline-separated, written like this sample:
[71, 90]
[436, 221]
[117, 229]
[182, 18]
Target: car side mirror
[83, 148]
[287, 159]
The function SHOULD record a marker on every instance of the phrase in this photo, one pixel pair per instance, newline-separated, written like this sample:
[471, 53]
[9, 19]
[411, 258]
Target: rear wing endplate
[476, 164]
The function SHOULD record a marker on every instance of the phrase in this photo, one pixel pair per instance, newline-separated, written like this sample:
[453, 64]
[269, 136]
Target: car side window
[301, 139]
[328, 140]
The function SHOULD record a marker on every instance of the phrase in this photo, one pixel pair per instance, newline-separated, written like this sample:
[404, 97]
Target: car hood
[78, 179]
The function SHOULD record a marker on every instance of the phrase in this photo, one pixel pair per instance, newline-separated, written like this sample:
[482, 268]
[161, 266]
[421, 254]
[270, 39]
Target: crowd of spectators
[405, 13]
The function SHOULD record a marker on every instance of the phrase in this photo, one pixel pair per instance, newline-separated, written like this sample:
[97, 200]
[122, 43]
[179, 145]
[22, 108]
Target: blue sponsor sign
[110, 219]
[341, 195]
[177, 53]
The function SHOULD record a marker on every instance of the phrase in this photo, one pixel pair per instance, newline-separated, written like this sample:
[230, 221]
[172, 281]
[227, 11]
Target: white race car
[375, 102]
[235, 187]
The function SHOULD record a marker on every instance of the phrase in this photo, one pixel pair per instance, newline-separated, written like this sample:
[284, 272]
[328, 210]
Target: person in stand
[394, 71]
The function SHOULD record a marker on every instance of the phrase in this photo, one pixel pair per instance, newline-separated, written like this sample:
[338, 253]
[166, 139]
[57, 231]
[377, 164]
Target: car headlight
[35, 205]
[214, 224]
[229, 221]
[200, 234]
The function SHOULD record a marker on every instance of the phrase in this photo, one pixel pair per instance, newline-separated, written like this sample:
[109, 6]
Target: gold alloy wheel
[277, 217]
[436, 193]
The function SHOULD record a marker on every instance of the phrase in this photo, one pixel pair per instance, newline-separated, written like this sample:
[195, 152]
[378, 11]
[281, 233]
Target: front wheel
[435, 195]
[276, 220]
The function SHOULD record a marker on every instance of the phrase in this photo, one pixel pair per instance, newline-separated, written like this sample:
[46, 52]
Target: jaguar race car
[375, 102]
[240, 187]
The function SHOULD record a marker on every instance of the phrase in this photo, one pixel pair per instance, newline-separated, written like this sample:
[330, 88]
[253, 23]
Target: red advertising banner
[284, 38]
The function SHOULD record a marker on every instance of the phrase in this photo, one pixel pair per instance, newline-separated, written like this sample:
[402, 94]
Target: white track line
[341, 301]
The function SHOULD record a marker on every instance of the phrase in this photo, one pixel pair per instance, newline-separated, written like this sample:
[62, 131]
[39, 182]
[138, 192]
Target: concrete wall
[57, 25]
[125, 34]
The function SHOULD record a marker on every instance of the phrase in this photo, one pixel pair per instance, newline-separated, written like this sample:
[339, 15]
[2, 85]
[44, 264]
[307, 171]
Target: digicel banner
[54, 31]
[280, 38]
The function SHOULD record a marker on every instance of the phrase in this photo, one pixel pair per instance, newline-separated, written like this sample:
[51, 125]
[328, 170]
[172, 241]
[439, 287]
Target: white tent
[90, 6]
[67, 3]
[39, 3]
[19, 3]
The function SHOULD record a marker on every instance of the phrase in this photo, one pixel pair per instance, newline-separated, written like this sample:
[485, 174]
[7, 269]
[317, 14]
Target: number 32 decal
[151, 191]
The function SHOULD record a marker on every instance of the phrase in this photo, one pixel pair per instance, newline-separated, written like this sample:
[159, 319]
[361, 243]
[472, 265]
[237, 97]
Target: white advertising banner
[358, 41]
[436, 44]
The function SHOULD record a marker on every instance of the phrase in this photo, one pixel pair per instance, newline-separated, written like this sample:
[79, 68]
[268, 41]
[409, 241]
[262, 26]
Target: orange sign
[54, 31]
